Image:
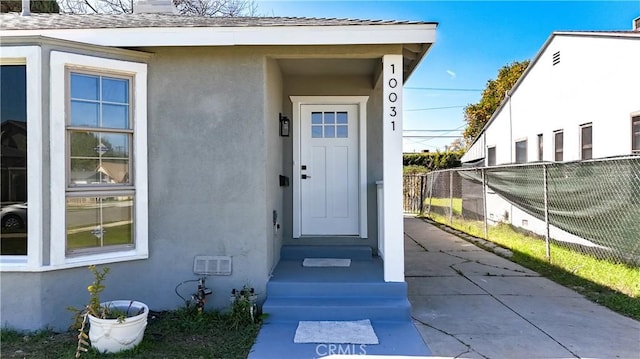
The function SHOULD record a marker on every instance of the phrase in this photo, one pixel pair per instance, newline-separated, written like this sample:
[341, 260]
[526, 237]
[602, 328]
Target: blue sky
[474, 40]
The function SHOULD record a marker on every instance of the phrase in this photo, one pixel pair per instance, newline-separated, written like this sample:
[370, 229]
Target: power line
[443, 89]
[434, 108]
[435, 136]
[455, 129]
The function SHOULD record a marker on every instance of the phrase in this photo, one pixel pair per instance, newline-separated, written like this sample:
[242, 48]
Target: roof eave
[238, 36]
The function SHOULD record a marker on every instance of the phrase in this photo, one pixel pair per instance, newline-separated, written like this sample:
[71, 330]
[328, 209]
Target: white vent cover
[212, 265]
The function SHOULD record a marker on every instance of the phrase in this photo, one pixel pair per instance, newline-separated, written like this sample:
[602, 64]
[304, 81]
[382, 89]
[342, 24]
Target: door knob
[305, 176]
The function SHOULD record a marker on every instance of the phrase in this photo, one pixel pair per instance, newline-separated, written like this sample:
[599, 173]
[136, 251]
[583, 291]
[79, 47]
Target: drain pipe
[26, 8]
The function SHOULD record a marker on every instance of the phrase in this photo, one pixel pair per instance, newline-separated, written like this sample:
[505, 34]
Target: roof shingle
[14, 21]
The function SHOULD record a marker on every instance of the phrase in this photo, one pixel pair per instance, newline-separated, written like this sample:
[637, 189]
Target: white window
[98, 160]
[521, 151]
[558, 145]
[491, 156]
[21, 157]
[586, 142]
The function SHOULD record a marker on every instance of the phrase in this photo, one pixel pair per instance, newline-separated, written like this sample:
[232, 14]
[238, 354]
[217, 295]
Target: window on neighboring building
[558, 145]
[540, 147]
[100, 190]
[586, 142]
[491, 156]
[521, 151]
[635, 133]
[13, 158]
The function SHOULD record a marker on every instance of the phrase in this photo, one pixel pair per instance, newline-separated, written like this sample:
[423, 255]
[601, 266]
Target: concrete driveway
[470, 303]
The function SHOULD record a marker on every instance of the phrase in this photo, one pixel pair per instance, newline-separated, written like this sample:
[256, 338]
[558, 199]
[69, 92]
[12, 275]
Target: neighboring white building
[579, 99]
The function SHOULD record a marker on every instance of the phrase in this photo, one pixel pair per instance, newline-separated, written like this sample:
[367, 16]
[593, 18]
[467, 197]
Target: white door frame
[361, 102]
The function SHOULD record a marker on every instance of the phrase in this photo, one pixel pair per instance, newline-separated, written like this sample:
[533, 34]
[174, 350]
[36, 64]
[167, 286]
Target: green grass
[613, 285]
[443, 205]
[177, 334]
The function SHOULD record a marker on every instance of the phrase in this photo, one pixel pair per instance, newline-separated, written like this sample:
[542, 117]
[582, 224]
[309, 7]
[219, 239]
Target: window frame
[635, 147]
[31, 57]
[526, 150]
[62, 64]
[555, 146]
[489, 159]
[582, 144]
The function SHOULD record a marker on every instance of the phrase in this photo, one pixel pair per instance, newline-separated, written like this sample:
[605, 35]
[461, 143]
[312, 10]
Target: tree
[185, 7]
[478, 114]
[36, 6]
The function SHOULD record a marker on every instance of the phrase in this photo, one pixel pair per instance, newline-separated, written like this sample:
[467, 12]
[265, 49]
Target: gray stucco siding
[206, 167]
[214, 157]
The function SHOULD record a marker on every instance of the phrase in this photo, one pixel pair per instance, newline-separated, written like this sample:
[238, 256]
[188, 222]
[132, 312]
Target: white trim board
[236, 36]
[361, 102]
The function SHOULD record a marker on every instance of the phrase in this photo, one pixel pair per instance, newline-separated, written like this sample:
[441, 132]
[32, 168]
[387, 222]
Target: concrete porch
[296, 293]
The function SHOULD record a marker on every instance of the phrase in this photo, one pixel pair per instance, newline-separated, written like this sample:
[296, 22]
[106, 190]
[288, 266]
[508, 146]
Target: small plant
[244, 310]
[96, 309]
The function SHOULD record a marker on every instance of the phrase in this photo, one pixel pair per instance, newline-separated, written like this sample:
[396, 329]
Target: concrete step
[275, 341]
[276, 289]
[357, 253]
[289, 309]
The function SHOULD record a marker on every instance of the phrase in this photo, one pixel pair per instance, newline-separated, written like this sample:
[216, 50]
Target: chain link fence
[588, 206]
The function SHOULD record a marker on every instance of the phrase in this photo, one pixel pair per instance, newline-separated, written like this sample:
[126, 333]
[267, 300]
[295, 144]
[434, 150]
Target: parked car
[13, 217]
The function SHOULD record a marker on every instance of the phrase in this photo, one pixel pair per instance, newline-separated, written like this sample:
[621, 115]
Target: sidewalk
[470, 303]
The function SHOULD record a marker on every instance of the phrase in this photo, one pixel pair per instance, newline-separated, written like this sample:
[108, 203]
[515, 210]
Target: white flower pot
[109, 336]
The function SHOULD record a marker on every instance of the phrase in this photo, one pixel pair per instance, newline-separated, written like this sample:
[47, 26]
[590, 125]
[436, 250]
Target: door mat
[336, 332]
[326, 262]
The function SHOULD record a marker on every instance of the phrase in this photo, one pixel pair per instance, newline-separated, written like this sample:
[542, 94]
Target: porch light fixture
[284, 126]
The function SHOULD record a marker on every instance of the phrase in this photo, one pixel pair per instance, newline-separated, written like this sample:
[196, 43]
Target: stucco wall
[206, 166]
[214, 157]
[273, 157]
[206, 143]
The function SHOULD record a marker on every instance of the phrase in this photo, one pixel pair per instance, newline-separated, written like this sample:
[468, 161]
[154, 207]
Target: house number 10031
[393, 96]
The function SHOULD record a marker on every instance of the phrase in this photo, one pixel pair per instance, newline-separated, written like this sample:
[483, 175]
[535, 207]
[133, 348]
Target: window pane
[586, 136]
[329, 132]
[115, 90]
[540, 147]
[115, 116]
[13, 159]
[587, 153]
[316, 118]
[98, 222]
[521, 151]
[99, 158]
[636, 133]
[84, 113]
[84, 87]
[491, 154]
[342, 117]
[342, 131]
[316, 131]
[558, 145]
[329, 117]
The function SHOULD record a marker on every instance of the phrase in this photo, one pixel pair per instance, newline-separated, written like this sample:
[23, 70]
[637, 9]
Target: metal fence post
[546, 212]
[450, 197]
[430, 175]
[421, 207]
[484, 204]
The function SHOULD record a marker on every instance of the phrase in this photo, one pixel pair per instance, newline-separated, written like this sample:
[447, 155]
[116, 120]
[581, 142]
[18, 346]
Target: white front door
[329, 169]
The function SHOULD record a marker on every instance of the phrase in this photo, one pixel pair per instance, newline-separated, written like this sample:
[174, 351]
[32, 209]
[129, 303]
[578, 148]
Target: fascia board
[238, 36]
